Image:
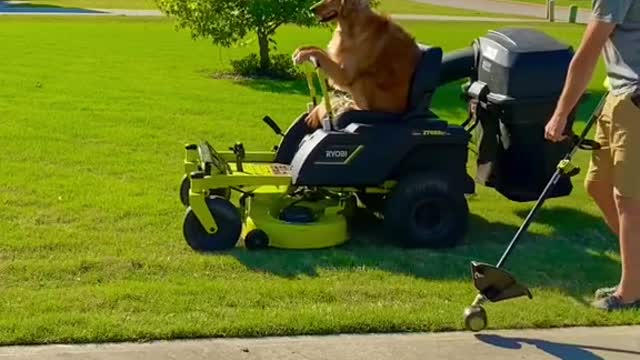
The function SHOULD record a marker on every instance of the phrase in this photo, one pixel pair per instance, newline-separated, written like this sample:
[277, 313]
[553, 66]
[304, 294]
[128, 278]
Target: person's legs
[599, 179]
[603, 195]
[625, 151]
[629, 210]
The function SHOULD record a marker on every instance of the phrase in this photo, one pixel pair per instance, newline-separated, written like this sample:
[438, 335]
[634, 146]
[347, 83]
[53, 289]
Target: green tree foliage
[228, 22]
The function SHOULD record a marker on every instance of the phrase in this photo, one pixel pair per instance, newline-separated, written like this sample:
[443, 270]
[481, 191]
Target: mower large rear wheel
[228, 221]
[425, 211]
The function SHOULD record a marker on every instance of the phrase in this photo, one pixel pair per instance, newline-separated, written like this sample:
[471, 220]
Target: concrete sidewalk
[567, 344]
[511, 8]
[534, 12]
[20, 11]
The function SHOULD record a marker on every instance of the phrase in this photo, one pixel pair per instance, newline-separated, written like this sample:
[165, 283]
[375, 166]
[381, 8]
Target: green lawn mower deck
[270, 212]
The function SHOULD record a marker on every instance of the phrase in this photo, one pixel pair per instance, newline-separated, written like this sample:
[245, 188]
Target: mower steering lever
[324, 87]
[272, 124]
[238, 150]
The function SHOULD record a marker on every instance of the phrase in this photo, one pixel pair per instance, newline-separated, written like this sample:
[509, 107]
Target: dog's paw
[305, 53]
[314, 119]
[303, 56]
[303, 48]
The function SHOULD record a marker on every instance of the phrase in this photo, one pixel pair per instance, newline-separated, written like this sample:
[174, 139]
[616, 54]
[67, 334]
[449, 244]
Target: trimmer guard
[496, 284]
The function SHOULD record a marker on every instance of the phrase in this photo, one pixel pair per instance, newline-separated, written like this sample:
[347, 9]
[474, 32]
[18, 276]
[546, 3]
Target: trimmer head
[496, 284]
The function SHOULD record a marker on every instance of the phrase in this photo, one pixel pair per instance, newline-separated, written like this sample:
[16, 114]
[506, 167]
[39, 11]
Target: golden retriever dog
[370, 57]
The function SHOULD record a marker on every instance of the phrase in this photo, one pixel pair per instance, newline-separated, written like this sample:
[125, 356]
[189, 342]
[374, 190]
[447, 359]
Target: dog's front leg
[338, 75]
[314, 119]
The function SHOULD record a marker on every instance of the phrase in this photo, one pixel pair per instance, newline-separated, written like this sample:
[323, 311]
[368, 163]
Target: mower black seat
[426, 78]
[373, 118]
[425, 81]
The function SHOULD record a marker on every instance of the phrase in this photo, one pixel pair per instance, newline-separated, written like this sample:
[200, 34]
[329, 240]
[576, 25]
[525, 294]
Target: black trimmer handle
[580, 142]
[272, 124]
[586, 144]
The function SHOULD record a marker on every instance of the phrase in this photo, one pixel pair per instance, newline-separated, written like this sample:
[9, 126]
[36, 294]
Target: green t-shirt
[622, 51]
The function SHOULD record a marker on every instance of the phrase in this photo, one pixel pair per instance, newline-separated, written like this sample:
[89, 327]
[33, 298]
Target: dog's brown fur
[369, 57]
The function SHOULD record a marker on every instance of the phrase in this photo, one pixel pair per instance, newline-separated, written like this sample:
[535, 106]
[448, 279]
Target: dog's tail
[341, 102]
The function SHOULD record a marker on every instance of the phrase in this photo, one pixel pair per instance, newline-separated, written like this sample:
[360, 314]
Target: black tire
[222, 192]
[375, 203]
[229, 223]
[256, 240]
[185, 186]
[425, 211]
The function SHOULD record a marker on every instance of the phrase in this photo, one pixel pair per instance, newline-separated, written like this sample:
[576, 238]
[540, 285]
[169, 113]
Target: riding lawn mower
[410, 168]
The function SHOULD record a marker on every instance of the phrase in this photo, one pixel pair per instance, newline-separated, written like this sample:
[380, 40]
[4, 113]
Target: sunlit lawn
[94, 114]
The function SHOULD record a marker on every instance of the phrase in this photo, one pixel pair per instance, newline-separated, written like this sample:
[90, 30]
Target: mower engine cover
[520, 74]
[369, 155]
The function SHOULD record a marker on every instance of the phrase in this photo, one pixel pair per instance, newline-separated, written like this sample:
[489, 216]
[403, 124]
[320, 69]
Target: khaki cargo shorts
[617, 163]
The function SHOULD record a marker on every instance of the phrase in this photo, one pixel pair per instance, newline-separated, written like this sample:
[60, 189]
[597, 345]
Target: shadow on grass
[570, 259]
[576, 266]
[588, 106]
[278, 87]
[558, 350]
[40, 8]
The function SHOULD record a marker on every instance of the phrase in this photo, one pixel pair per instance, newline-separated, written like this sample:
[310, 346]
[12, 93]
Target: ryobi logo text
[336, 154]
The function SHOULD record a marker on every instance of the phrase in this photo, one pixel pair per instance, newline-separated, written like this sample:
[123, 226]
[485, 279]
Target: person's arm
[579, 76]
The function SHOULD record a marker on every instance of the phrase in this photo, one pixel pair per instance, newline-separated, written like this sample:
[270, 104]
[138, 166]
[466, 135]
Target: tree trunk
[263, 40]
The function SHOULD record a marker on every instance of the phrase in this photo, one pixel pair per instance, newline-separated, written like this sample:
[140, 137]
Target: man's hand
[580, 72]
[554, 130]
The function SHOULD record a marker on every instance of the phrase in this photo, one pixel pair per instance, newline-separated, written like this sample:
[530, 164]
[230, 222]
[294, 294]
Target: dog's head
[329, 10]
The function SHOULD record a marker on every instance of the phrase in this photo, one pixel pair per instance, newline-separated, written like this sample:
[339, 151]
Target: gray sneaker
[615, 303]
[605, 292]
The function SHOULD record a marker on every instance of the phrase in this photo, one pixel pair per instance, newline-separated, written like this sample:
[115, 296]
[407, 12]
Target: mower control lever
[238, 149]
[272, 124]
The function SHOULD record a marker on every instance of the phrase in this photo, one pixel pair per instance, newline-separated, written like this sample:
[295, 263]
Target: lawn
[581, 3]
[98, 4]
[94, 116]
[388, 6]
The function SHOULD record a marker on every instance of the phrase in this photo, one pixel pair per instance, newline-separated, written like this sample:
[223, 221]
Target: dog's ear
[347, 6]
[343, 9]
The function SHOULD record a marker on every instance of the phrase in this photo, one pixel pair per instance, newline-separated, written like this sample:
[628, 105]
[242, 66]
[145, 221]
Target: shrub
[280, 67]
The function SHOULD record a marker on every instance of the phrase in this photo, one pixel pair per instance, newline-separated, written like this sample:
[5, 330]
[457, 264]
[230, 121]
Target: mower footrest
[496, 284]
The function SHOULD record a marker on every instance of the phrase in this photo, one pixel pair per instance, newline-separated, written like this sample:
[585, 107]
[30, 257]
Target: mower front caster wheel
[475, 318]
[256, 240]
[228, 221]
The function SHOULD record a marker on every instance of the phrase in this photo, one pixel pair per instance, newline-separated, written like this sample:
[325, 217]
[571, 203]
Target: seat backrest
[426, 78]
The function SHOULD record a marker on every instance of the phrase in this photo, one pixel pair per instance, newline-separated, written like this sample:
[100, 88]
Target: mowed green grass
[414, 7]
[581, 3]
[97, 4]
[387, 6]
[94, 116]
